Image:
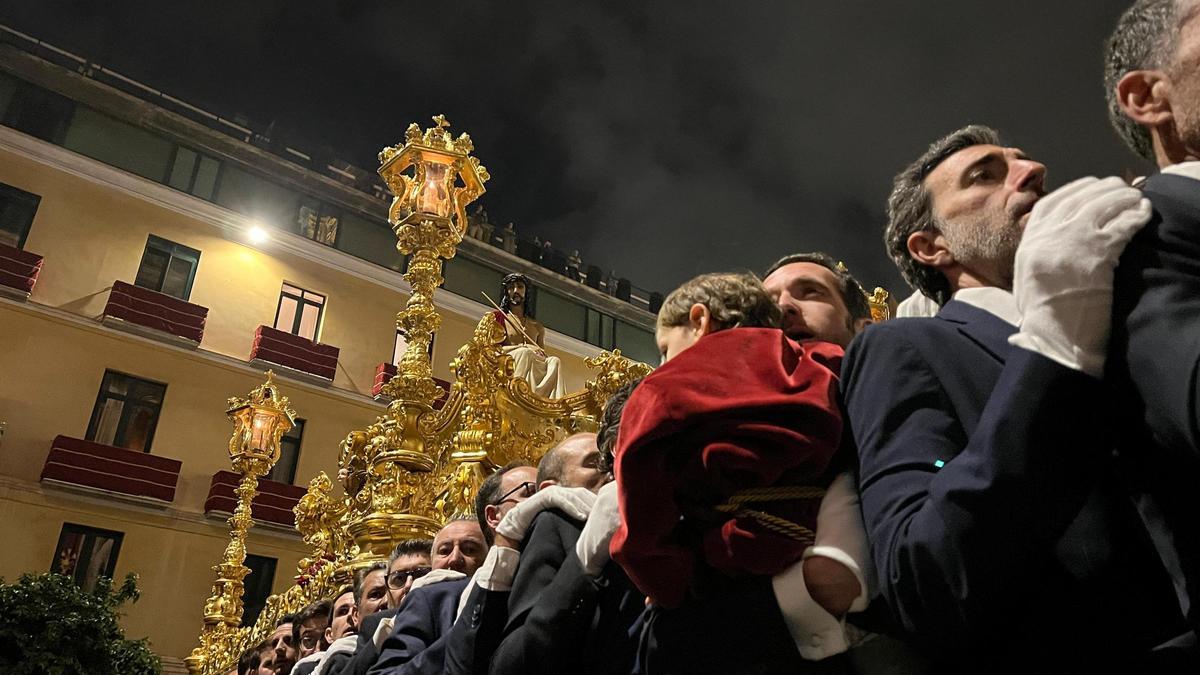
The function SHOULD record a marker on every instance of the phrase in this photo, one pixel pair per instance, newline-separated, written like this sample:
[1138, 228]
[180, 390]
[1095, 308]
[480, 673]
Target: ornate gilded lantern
[259, 422]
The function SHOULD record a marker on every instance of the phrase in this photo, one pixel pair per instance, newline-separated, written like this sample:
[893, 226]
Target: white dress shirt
[995, 301]
[1190, 169]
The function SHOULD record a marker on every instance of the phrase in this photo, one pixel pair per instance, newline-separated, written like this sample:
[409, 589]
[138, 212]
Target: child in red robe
[725, 450]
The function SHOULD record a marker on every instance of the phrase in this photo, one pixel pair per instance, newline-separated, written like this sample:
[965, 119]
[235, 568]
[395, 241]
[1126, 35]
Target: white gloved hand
[592, 545]
[575, 502]
[1063, 278]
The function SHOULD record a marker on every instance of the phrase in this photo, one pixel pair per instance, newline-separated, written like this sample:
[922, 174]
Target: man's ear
[860, 324]
[491, 513]
[928, 247]
[700, 319]
[1144, 97]
[546, 483]
[329, 634]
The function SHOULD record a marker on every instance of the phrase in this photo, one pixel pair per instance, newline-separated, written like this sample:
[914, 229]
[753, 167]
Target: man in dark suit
[999, 533]
[532, 543]
[1152, 80]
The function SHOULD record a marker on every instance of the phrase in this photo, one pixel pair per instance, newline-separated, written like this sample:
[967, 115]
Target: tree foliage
[50, 626]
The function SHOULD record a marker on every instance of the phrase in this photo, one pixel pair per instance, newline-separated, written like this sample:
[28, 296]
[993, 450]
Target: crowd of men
[1005, 481]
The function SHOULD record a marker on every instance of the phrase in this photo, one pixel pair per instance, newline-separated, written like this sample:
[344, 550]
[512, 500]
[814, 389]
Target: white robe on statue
[541, 372]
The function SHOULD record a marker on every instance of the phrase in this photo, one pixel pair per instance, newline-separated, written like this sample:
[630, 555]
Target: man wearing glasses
[429, 610]
[409, 562]
[380, 593]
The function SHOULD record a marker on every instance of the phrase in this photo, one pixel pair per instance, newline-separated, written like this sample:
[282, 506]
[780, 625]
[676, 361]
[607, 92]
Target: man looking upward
[999, 533]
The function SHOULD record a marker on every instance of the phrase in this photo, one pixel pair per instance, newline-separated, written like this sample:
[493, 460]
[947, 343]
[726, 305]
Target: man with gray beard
[1001, 536]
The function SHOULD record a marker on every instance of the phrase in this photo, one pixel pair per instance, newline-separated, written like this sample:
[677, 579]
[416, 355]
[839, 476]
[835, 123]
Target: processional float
[415, 467]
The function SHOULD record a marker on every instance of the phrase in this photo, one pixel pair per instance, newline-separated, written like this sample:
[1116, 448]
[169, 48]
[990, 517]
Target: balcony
[385, 372]
[156, 315]
[273, 504]
[309, 360]
[80, 464]
[18, 271]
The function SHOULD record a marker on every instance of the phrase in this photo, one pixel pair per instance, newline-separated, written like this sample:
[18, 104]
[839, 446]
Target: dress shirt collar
[995, 301]
[1189, 169]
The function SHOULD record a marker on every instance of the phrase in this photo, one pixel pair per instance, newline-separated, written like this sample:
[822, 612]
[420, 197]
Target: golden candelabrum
[415, 467]
[259, 421]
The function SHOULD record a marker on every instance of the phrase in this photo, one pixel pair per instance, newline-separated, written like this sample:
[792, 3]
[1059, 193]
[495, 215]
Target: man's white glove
[575, 502]
[1063, 279]
[592, 545]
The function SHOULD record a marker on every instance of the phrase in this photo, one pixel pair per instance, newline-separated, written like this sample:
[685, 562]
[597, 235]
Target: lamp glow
[258, 234]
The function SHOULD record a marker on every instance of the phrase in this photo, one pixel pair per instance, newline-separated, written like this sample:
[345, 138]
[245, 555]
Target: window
[402, 344]
[467, 278]
[85, 554]
[284, 470]
[318, 222]
[561, 314]
[16, 214]
[258, 585]
[168, 268]
[600, 329]
[126, 412]
[299, 312]
[193, 173]
[371, 240]
[636, 343]
[39, 113]
[250, 195]
[118, 144]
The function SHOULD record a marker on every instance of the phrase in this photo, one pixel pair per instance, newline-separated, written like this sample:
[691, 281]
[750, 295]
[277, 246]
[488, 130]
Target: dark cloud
[662, 139]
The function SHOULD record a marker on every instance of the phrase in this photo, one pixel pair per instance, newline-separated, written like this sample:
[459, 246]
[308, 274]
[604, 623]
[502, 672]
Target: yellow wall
[52, 368]
[171, 554]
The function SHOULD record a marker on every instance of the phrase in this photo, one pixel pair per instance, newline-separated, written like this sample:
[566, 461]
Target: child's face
[672, 340]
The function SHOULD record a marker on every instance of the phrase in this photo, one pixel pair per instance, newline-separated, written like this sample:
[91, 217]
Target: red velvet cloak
[742, 408]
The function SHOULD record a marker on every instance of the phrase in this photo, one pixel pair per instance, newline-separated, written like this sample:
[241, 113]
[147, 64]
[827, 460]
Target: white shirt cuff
[499, 569]
[818, 634]
[837, 554]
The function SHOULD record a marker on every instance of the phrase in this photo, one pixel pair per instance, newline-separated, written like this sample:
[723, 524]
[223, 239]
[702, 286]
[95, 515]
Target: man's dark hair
[910, 209]
[489, 492]
[610, 425]
[508, 280]
[286, 618]
[333, 603]
[852, 292]
[316, 610]
[411, 547]
[362, 577]
[1145, 38]
[250, 660]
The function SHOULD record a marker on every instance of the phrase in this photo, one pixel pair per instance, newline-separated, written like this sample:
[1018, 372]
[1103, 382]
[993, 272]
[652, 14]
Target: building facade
[151, 267]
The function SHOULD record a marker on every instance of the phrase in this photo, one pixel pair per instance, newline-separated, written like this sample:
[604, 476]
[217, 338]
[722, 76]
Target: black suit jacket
[556, 619]
[418, 640]
[365, 654]
[1155, 362]
[999, 534]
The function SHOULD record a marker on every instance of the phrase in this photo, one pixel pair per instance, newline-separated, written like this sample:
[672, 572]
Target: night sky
[662, 139]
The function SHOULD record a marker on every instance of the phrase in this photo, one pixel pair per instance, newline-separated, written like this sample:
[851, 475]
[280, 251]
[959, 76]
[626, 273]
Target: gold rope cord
[794, 531]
